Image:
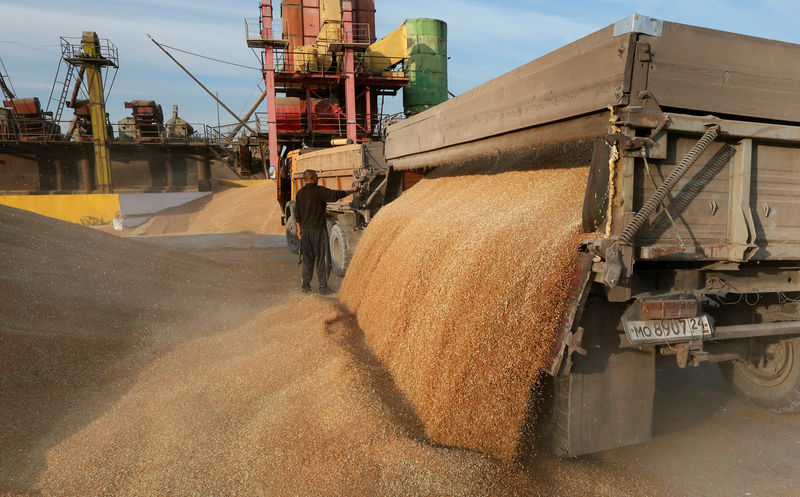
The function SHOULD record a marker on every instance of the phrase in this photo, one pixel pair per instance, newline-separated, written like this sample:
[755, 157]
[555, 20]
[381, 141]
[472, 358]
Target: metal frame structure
[346, 74]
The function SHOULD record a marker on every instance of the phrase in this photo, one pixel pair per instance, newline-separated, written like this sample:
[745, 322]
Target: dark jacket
[310, 205]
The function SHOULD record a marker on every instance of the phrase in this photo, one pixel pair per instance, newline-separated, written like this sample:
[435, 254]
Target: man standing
[310, 208]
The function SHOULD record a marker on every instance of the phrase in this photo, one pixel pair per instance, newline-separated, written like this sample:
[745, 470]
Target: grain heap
[273, 407]
[233, 210]
[113, 381]
[459, 286]
[81, 313]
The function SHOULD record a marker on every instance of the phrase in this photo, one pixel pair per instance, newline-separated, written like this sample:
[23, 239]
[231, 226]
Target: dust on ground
[133, 369]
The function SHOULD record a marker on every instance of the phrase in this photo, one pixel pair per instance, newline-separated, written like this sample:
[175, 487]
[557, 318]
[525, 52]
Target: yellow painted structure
[388, 51]
[88, 210]
[305, 59]
[330, 13]
[94, 80]
[380, 57]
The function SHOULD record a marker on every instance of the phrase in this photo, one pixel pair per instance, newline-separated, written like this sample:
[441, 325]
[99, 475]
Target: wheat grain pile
[274, 407]
[131, 369]
[233, 210]
[459, 286]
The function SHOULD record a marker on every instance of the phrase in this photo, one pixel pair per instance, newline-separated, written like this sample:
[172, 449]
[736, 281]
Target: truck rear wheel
[770, 380]
[340, 251]
[292, 241]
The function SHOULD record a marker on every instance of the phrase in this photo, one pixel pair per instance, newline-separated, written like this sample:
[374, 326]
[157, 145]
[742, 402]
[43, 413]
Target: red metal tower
[320, 65]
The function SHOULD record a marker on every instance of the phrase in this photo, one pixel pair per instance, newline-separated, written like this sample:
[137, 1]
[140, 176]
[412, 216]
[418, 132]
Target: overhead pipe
[247, 115]
[243, 123]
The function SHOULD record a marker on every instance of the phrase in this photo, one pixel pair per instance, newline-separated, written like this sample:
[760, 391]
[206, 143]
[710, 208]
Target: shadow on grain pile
[460, 286]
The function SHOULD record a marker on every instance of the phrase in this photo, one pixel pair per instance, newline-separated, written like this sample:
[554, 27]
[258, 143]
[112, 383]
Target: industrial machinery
[90, 57]
[148, 121]
[30, 122]
[83, 171]
[333, 74]
[177, 128]
[692, 248]
[22, 118]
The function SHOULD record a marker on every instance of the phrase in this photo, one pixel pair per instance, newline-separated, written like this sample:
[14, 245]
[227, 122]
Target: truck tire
[291, 230]
[341, 253]
[772, 382]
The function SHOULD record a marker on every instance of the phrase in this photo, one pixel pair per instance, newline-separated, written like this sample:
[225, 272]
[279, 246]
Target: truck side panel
[580, 78]
[738, 202]
[711, 71]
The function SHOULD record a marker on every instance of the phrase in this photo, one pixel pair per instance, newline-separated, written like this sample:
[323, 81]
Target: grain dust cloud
[459, 286]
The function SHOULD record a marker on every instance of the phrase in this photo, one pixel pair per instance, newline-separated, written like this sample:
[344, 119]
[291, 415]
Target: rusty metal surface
[66, 167]
[364, 14]
[292, 23]
[581, 78]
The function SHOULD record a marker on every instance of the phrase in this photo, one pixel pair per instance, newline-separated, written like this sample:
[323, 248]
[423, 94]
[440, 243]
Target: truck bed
[737, 202]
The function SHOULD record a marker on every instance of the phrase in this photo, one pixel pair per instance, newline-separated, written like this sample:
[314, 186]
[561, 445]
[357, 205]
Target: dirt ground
[150, 367]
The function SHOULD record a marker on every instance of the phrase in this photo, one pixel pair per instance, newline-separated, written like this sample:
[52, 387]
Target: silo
[427, 64]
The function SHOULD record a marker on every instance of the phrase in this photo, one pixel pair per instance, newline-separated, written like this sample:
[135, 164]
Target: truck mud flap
[606, 399]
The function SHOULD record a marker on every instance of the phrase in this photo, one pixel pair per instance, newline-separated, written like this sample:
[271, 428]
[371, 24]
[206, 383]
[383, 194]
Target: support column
[86, 174]
[269, 83]
[309, 111]
[368, 97]
[97, 106]
[204, 171]
[349, 67]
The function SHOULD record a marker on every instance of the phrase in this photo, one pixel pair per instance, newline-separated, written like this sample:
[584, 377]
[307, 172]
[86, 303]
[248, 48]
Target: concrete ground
[706, 442]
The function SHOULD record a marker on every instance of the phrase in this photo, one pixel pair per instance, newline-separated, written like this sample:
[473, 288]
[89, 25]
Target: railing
[72, 49]
[25, 130]
[333, 123]
[253, 29]
[299, 62]
[361, 34]
[226, 129]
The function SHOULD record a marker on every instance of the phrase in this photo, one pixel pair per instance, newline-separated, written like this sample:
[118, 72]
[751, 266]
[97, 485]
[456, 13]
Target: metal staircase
[62, 83]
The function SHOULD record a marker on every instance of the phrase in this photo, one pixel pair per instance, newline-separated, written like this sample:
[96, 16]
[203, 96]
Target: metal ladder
[66, 86]
[7, 92]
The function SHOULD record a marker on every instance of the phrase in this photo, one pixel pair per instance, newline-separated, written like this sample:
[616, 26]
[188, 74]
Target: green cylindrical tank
[426, 66]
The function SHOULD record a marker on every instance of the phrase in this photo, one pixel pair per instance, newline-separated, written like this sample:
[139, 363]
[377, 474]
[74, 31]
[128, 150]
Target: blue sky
[486, 39]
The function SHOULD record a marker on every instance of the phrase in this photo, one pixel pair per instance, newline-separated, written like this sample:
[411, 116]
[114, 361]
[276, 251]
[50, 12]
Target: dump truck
[340, 168]
[691, 211]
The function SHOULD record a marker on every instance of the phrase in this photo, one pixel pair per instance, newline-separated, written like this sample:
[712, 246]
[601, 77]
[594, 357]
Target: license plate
[668, 330]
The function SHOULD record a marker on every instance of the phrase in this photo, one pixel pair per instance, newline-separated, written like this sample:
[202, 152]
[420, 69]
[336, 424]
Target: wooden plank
[580, 78]
[717, 72]
[345, 158]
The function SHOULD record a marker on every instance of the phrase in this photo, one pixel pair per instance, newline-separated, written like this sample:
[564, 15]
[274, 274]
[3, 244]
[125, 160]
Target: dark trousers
[316, 251]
